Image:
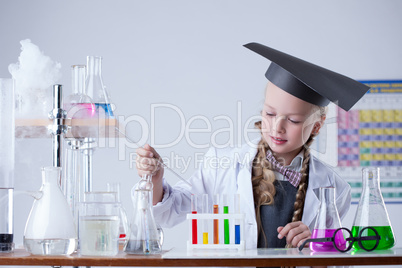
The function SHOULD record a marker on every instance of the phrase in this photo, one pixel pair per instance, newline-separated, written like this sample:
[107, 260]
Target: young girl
[277, 177]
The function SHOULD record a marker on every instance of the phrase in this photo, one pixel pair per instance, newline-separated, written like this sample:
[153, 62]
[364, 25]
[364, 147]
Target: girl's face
[287, 123]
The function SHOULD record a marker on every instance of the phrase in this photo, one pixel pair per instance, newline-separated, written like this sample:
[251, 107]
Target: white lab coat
[228, 171]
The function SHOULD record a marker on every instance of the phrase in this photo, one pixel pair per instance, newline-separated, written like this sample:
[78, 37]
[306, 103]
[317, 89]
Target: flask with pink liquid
[327, 221]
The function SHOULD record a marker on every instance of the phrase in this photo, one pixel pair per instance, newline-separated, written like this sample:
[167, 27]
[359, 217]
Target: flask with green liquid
[372, 212]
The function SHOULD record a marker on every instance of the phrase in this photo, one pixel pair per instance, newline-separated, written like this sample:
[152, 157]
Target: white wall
[189, 54]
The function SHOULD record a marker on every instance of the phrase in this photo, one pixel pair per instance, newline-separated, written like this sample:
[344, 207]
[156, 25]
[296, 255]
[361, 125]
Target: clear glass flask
[50, 228]
[327, 221]
[372, 212]
[7, 146]
[79, 104]
[145, 238]
[114, 187]
[95, 88]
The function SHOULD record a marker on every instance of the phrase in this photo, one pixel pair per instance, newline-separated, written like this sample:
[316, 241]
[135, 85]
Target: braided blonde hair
[263, 177]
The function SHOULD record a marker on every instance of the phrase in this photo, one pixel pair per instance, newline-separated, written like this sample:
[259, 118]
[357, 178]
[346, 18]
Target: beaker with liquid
[7, 145]
[327, 221]
[50, 228]
[145, 237]
[372, 212]
[99, 228]
[95, 88]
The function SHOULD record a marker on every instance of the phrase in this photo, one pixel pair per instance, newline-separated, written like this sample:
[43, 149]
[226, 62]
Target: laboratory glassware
[95, 88]
[343, 240]
[50, 228]
[194, 221]
[237, 221]
[99, 228]
[145, 237]
[7, 145]
[205, 223]
[226, 221]
[327, 221]
[372, 212]
[79, 104]
[216, 221]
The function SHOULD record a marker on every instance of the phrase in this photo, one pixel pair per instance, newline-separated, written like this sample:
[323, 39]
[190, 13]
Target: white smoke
[34, 75]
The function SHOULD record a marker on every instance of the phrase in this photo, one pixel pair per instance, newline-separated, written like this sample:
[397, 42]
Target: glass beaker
[123, 228]
[372, 212]
[7, 145]
[50, 228]
[145, 237]
[95, 88]
[99, 228]
[327, 221]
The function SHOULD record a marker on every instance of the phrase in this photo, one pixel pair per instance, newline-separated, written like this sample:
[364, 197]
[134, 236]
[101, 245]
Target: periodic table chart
[369, 135]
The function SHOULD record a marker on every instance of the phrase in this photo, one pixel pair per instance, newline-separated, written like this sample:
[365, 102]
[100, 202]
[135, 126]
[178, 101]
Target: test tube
[237, 221]
[216, 221]
[226, 221]
[205, 209]
[194, 221]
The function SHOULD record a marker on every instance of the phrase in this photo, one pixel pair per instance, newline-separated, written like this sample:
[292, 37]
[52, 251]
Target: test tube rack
[221, 217]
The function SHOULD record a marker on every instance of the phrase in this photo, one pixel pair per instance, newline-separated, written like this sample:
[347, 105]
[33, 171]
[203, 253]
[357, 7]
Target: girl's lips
[278, 140]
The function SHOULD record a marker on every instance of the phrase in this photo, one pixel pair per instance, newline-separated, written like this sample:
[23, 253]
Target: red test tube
[194, 221]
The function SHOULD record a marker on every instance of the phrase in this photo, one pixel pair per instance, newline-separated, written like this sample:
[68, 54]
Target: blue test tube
[237, 221]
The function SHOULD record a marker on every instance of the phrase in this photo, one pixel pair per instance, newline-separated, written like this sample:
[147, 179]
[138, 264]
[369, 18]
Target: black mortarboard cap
[308, 81]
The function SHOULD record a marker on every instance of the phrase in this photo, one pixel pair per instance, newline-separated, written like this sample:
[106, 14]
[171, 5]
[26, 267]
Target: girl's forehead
[281, 101]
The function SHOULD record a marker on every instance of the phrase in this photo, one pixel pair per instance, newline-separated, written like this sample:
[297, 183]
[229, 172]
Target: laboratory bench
[179, 257]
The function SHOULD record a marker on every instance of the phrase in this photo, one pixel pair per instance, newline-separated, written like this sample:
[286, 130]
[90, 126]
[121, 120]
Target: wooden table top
[177, 258]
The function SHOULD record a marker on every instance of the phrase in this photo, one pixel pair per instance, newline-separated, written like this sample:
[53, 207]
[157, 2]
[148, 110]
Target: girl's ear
[318, 125]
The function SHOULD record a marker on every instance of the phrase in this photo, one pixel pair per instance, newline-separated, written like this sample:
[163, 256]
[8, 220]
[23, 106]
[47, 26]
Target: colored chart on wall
[370, 135]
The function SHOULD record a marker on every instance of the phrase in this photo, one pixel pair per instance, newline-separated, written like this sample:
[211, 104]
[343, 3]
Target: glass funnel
[327, 221]
[50, 228]
[372, 211]
[144, 235]
[95, 88]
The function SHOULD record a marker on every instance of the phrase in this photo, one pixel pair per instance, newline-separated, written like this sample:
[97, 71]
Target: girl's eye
[294, 121]
[270, 114]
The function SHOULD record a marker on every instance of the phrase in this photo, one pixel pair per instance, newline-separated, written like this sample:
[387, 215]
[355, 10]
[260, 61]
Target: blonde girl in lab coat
[276, 207]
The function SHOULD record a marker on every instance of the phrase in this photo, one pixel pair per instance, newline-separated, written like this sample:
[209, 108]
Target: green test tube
[226, 221]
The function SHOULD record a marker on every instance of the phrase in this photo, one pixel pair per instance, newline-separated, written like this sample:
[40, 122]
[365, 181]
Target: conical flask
[95, 88]
[327, 220]
[50, 228]
[144, 235]
[372, 212]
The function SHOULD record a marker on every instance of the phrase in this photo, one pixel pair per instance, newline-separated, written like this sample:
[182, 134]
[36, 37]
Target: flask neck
[94, 65]
[327, 196]
[371, 178]
[51, 175]
[78, 79]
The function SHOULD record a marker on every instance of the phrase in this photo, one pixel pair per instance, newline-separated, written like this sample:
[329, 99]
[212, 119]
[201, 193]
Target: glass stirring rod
[159, 161]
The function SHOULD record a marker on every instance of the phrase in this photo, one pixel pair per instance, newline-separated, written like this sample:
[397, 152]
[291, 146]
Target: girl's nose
[279, 124]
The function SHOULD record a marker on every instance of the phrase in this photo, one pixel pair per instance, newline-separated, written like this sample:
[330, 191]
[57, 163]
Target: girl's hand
[295, 233]
[147, 163]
